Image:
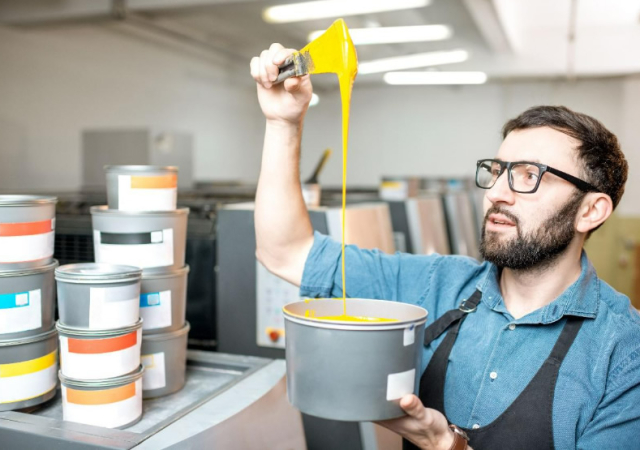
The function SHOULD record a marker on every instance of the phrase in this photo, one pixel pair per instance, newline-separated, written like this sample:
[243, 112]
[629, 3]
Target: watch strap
[460, 438]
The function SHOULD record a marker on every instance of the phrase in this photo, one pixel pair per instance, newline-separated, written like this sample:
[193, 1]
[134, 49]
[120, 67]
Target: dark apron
[527, 423]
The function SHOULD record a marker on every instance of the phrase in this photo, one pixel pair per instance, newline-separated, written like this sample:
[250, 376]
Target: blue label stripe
[149, 299]
[8, 301]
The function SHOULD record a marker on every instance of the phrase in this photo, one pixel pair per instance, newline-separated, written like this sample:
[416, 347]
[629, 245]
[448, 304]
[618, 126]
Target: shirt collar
[580, 299]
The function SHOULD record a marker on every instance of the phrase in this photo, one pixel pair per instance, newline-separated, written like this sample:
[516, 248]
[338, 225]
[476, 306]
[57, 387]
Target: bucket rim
[355, 326]
[11, 273]
[139, 168]
[102, 333]
[27, 200]
[30, 339]
[102, 383]
[103, 210]
[91, 272]
[166, 274]
[166, 336]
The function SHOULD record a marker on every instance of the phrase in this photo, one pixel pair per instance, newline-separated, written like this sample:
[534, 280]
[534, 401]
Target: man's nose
[501, 192]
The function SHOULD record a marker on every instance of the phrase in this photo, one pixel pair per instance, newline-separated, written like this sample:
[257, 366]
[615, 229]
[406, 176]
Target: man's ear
[595, 209]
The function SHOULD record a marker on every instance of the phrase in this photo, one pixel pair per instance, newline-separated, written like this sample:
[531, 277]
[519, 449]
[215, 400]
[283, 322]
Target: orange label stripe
[26, 228]
[93, 346]
[159, 182]
[102, 397]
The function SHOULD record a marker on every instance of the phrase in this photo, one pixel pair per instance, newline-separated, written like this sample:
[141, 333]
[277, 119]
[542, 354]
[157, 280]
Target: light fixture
[412, 61]
[314, 99]
[394, 35]
[415, 78]
[298, 12]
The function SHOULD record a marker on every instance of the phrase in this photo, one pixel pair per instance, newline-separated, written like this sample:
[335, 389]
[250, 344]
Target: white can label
[26, 241]
[112, 307]
[149, 249]
[400, 384]
[25, 380]
[155, 310]
[154, 371]
[409, 335]
[147, 193]
[21, 311]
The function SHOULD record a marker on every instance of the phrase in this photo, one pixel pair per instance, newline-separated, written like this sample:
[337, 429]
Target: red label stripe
[93, 346]
[26, 228]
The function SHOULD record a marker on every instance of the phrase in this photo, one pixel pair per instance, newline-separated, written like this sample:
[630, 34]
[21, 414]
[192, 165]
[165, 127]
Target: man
[529, 349]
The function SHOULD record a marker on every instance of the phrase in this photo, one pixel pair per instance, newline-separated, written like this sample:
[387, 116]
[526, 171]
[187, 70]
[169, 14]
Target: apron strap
[449, 318]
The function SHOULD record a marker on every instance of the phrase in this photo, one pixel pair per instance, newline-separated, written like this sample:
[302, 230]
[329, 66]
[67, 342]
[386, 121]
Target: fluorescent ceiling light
[413, 78]
[394, 35]
[314, 100]
[298, 12]
[412, 61]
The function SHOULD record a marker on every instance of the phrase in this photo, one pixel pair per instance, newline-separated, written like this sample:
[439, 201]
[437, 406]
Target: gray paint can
[111, 403]
[352, 371]
[99, 354]
[163, 301]
[154, 240]
[27, 301]
[164, 357]
[27, 229]
[97, 296]
[28, 368]
[142, 188]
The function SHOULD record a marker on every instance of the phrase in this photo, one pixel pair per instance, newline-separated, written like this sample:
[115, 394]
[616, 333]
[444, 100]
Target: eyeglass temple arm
[580, 184]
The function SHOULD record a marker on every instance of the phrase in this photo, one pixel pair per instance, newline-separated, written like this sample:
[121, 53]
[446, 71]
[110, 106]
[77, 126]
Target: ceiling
[504, 38]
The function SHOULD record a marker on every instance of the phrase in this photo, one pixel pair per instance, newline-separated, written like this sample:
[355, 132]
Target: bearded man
[526, 350]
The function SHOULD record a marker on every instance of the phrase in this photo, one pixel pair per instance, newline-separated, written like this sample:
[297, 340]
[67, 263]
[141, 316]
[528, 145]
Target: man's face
[523, 231]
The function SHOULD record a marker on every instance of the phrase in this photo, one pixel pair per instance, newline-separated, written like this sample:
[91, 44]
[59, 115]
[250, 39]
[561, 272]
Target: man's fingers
[292, 84]
[255, 68]
[280, 55]
[412, 406]
[264, 61]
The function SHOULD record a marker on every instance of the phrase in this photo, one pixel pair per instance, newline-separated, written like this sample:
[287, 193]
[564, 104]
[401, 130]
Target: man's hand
[425, 427]
[286, 102]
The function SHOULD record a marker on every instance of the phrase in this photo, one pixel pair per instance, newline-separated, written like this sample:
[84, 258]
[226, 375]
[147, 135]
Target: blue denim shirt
[597, 397]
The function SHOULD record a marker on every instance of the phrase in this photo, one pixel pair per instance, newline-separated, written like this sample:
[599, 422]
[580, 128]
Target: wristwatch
[460, 438]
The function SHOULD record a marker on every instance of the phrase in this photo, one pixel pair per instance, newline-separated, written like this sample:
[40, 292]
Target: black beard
[539, 249]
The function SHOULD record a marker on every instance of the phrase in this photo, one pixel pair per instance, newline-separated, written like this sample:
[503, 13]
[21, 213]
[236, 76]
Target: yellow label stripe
[27, 367]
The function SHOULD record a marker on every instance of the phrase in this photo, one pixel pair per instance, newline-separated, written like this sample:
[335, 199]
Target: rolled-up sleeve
[369, 273]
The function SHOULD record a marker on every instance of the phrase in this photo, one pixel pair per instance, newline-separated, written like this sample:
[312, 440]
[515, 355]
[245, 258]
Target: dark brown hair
[603, 163]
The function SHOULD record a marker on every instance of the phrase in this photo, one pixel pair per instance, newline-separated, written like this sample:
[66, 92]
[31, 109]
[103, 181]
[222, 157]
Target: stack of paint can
[100, 340]
[142, 226]
[28, 338]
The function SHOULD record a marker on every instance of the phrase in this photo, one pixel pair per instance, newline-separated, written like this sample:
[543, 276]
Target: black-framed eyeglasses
[524, 176]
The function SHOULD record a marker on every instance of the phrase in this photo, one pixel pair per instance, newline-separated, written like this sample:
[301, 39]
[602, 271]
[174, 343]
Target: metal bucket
[154, 241]
[27, 228]
[99, 354]
[110, 403]
[142, 188]
[98, 296]
[164, 357]
[163, 301]
[27, 301]
[353, 371]
[28, 368]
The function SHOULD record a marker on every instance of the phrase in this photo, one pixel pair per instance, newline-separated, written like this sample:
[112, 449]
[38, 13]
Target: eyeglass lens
[524, 177]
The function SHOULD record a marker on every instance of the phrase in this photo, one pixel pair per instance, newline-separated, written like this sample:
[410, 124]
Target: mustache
[498, 210]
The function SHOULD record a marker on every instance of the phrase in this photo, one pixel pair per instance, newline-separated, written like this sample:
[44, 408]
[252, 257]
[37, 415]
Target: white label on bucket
[154, 371]
[21, 311]
[409, 335]
[28, 384]
[154, 254]
[112, 307]
[137, 199]
[26, 248]
[109, 415]
[155, 310]
[400, 384]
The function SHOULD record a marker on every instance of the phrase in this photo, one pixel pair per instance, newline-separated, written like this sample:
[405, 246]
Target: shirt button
[493, 375]
[475, 426]
[512, 326]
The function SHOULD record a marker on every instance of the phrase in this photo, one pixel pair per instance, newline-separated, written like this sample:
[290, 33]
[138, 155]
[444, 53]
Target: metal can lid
[166, 274]
[102, 383]
[88, 273]
[140, 169]
[27, 200]
[166, 336]
[106, 333]
[104, 210]
[30, 271]
[31, 339]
